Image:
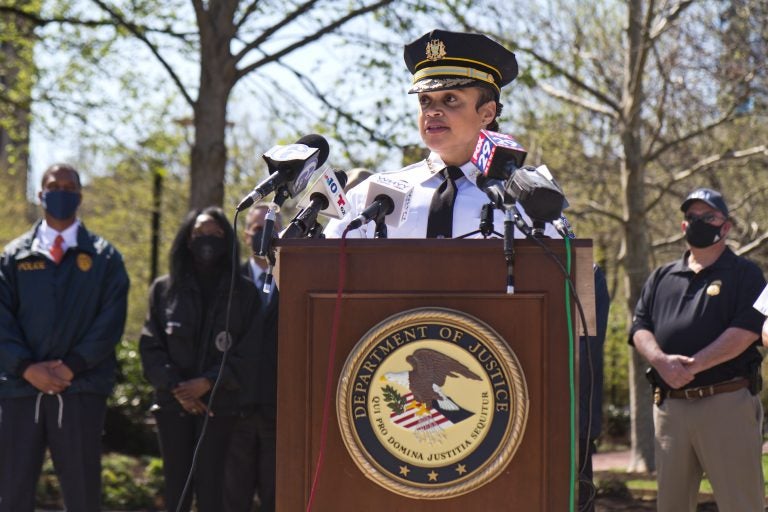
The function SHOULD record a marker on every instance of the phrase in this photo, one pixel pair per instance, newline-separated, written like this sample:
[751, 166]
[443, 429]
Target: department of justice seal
[432, 403]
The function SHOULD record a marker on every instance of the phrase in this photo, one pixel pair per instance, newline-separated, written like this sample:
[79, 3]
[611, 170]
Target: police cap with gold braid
[452, 60]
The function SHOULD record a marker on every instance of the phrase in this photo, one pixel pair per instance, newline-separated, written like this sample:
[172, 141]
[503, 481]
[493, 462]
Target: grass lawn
[643, 485]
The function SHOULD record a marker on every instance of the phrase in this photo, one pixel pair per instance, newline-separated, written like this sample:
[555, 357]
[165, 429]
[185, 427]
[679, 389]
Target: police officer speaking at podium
[458, 79]
[695, 325]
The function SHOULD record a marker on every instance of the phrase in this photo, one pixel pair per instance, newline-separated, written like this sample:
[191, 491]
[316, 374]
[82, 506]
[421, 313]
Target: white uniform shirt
[761, 304]
[425, 178]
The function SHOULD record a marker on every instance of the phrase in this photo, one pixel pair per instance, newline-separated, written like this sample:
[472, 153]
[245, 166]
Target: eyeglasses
[709, 218]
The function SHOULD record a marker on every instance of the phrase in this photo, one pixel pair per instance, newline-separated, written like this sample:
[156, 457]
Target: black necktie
[440, 222]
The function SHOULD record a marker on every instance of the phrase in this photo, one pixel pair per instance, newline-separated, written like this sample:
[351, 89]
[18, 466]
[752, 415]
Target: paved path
[620, 460]
[610, 460]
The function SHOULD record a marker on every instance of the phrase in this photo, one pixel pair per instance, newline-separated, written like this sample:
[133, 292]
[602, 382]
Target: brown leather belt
[705, 391]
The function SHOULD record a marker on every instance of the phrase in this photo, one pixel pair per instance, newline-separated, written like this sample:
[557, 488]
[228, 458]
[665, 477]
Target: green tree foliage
[17, 77]
[119, 205]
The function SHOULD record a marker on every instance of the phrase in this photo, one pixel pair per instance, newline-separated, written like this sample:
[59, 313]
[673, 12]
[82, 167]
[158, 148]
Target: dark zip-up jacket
[179, 341]
[74, 311]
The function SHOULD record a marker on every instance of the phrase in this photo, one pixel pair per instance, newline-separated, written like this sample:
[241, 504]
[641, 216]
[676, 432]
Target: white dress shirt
[425, 178]
[46, 235]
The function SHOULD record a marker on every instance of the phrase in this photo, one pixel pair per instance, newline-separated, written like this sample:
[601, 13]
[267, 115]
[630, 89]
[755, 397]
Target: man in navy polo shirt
[696, 326]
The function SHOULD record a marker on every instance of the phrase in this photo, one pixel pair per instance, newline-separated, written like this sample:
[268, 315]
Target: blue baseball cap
[711, 197]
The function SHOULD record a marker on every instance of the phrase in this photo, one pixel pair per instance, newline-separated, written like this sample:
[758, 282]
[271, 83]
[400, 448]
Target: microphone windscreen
[494, 152]
[399, 191]
[540, 196]
[314, 140]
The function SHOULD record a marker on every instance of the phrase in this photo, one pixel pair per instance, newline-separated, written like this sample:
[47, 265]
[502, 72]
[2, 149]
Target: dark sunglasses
[709, 218]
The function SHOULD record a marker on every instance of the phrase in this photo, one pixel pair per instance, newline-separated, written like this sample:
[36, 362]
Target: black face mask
[208, 250]
[256, 239]
[701, 234]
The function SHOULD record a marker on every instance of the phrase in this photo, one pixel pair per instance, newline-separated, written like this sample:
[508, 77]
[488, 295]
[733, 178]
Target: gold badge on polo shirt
[435, 50]
[84, 262]
[714, 288]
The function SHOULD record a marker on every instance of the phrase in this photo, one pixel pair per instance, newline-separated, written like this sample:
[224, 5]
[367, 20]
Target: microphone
[536, 189]
[293, 164]
[325, 196]
[496, 155]
[496, 191]
[265, 246]
[387, 198]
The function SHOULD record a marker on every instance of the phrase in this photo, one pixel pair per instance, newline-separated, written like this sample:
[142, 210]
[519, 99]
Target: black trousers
[70, 425]
[251, 463]
[178, 433]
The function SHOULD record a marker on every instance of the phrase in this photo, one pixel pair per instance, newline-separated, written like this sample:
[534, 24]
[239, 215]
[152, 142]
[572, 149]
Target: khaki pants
[720, 435]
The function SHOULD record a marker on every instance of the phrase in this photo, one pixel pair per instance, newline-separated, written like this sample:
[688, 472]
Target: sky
[324, 60]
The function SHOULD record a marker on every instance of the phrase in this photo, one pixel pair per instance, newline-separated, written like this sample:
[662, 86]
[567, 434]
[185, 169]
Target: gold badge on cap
[714, 288]
[435, 50]
[84, 262]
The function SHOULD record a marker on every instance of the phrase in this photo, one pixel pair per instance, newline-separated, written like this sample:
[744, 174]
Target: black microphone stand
[509, 247]
[266, 249]
[486, 223]
[316, 231]
[381, 227]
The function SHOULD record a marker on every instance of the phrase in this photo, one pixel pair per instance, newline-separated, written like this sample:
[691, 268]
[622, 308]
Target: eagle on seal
[427, 378]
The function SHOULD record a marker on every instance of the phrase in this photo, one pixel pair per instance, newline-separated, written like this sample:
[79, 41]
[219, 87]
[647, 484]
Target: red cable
[331, 358]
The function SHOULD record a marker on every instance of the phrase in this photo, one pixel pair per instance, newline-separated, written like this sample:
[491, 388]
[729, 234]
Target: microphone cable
[570, 291]
[215, 387]
[330, 370]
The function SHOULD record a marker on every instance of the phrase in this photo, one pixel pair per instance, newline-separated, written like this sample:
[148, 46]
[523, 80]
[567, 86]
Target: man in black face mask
[251, 461]
[695, 325]
[63, 301]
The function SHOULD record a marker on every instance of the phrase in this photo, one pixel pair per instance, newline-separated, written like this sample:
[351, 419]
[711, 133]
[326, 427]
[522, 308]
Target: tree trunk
[636, 248]
[217, 78]
[209, 152]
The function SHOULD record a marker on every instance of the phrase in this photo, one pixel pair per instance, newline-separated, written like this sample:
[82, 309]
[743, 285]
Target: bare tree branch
[660, 110]
[726, 117]
[250, 9]
[39, 21]
[266, 34]
[42, 22]
[317, 35]
[141, 36]
[664, 242]
[309, 84]
[713, 159]
[595, 207]
[755, 244]
[573, 79]
[578, 101]
[667, 21]
[570, 77]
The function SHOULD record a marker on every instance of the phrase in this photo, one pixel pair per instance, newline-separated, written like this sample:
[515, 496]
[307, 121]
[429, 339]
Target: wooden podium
[385, 277]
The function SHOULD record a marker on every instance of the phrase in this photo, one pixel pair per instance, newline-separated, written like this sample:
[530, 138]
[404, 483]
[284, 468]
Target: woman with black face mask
[182, 346]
